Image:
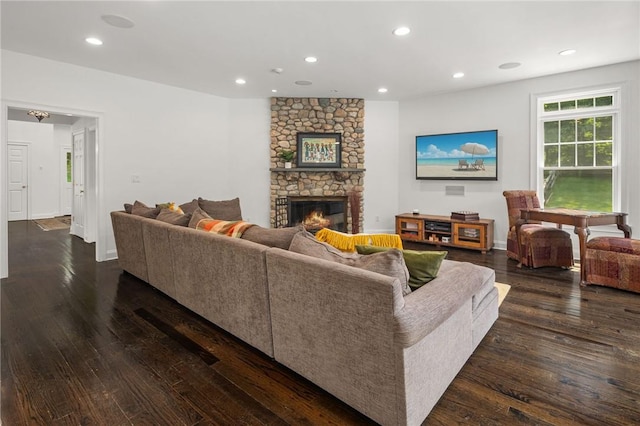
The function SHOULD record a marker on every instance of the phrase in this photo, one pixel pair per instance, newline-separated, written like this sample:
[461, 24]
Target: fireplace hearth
[315, 213]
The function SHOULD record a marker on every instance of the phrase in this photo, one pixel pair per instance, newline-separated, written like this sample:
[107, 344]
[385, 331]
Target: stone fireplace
[319, 115]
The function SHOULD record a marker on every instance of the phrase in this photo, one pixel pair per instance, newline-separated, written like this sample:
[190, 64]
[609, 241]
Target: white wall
[176, 140]
[506, 107]
[249, 157]
[382, 163]
[44, 173]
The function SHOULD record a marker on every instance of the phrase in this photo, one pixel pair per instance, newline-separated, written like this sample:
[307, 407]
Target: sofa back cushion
[141, 209]
[222, 210]
[389, 263]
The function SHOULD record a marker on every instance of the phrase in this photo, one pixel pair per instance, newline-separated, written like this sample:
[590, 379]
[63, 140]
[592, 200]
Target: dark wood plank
[74, 351]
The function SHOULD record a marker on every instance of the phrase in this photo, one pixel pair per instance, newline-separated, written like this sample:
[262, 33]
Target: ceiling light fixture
[567, 52]
[240, 81]
[40, 115]
[274, 90]
[303, 83]
[311, 59]
[382, 90]
[401, 31]
[458, 75]
[118, 21]
[94, 41]
[509, 65]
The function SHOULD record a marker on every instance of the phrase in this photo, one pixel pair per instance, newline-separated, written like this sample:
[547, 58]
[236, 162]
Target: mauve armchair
[540, 245]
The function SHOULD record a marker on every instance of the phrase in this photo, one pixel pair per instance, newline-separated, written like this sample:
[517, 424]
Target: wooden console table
[581, 221]
[443, 231]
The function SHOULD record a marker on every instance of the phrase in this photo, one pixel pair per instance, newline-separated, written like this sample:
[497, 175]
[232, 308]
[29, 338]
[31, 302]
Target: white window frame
[537, 126]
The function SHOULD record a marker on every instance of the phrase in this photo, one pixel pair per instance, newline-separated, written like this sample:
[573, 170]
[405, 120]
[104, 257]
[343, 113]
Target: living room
[181, 143]
[149, 129]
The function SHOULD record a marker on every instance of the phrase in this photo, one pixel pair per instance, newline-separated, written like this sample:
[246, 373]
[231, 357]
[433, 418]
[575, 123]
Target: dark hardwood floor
[84, 343]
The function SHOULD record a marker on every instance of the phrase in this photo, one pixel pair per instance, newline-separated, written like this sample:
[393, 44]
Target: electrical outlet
[377, 218]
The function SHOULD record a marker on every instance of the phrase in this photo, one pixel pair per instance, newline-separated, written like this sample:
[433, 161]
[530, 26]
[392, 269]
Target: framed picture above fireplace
[319, 149]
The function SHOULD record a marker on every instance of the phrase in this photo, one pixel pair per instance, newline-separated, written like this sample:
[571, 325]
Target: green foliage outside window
[68, 167]
[578, 155]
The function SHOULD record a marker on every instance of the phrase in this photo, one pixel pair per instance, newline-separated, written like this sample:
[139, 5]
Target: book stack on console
[465, 216]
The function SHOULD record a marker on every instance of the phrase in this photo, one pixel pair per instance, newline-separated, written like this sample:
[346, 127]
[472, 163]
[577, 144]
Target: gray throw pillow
[222, 210]
[390, 263]
[141, 209]
[278, 237]
[197, 216]
[174, 218]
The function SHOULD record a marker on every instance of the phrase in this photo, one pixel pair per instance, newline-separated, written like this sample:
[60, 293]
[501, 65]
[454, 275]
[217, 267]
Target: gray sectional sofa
[348, 330]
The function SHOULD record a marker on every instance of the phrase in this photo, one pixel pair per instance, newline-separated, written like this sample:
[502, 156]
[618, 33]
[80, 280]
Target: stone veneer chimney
[320, 115]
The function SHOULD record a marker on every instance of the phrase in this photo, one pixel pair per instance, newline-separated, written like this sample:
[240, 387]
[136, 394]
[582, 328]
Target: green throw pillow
[423, 266]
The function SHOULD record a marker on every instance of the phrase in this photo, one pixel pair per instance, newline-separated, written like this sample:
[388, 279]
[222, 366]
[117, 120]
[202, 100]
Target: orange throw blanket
[224, 227]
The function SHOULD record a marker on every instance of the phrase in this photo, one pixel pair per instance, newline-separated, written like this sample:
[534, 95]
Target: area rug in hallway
[54, 223]
[503, 289]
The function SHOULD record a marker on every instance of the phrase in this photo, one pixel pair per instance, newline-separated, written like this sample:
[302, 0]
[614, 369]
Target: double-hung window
[578, 143]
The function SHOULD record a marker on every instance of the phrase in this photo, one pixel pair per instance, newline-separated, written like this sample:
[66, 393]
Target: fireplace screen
[315, 213]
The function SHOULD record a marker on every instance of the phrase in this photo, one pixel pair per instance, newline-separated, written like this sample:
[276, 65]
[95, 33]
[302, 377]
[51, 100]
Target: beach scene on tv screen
[470, 155]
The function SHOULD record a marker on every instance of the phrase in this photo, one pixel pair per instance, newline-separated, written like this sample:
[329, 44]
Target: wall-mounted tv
[458, 156]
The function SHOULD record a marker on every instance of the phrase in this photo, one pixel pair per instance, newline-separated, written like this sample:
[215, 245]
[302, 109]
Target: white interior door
[66, 184]
[18, 176]
[77, 218]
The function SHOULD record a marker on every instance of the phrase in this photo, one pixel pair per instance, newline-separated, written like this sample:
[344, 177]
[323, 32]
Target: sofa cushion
[423, 266]
[141, 209]
[174, 217]
[197, 215]
[223, 210]
[278, 237]
[389, 263]
[128, 207]
[190, 207]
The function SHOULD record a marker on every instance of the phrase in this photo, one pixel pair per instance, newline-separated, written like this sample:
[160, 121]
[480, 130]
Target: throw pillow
[390, 263]
[190, 207]
[174, 217]
[222, 210]
[272, 237]
[141, 209]
[128, 207]
[423, 266]
[197, 216]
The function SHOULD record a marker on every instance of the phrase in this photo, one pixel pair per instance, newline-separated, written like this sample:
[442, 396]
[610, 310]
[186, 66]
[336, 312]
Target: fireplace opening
[315, 213]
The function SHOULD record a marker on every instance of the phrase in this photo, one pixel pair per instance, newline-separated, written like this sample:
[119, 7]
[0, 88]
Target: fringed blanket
[224, 227]
[348, 242]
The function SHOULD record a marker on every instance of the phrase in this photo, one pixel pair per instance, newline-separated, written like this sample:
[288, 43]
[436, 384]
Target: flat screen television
[458, 156]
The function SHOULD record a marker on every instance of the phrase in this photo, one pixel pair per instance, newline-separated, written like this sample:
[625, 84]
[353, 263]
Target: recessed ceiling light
[118, 21]
[509, 65]
[94, 41]
[401, 31]
[458, 75]
[303, 83]
[382, 90]
[274, 90]
[567, 52]
[311, 59]
[240, 81]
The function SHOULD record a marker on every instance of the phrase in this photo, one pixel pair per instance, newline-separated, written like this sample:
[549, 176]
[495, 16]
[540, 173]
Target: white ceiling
[206, 45]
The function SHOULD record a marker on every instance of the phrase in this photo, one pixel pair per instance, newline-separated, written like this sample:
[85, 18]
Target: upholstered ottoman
[613, 262]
